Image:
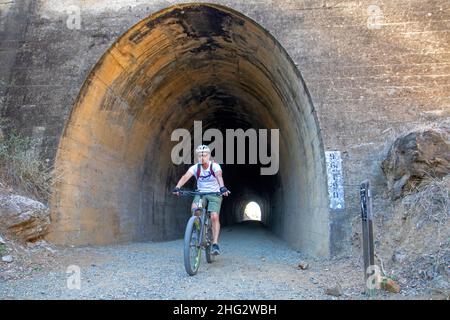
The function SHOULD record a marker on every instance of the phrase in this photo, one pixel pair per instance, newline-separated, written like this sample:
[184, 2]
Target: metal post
[367, 229]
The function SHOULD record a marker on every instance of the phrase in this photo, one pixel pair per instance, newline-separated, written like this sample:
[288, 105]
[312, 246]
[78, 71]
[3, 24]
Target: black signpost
[367, 230]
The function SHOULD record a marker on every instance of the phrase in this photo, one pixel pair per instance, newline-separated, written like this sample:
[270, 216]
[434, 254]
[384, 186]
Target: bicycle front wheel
[192, 249]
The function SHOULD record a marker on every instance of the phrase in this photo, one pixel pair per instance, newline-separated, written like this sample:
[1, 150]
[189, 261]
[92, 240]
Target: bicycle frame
[203, 222]
[205, 215]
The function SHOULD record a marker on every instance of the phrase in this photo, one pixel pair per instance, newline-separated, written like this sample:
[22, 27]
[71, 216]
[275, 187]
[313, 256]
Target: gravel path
[254, 265]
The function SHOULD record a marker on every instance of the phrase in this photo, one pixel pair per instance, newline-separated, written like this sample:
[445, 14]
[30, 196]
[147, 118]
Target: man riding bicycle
[209, 179]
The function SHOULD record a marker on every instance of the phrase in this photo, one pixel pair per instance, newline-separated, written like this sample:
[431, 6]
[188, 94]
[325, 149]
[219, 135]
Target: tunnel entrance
[187, 62]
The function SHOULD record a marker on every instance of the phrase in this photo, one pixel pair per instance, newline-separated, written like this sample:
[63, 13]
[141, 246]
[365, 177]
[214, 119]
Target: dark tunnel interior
[244, 180]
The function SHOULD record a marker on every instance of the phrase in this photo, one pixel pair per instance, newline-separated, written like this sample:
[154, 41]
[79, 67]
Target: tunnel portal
[188, 62]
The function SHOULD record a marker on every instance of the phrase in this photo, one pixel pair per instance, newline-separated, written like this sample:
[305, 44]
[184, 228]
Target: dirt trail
[254, 265]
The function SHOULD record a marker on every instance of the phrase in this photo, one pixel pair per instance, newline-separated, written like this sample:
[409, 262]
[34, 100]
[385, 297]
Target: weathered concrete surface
[186, 63]
[370, 77]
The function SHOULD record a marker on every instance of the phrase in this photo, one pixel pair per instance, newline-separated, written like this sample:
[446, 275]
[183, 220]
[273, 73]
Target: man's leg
[215, 227]
[194, 204]
[214, 203]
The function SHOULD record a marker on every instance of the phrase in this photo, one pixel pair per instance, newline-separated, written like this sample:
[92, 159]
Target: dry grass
[430, 200]
[21, 168]
[430, 203]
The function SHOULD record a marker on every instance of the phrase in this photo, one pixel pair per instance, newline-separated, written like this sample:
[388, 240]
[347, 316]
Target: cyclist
[209, 179]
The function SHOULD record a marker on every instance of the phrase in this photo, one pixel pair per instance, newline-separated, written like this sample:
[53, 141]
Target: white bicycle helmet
[202, 148]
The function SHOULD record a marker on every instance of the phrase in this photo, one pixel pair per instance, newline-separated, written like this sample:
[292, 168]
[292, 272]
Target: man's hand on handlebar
[224, 191]
[176, 191]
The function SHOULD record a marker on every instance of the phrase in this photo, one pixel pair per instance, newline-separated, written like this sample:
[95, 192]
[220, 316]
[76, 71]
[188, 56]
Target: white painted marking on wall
[335, 179]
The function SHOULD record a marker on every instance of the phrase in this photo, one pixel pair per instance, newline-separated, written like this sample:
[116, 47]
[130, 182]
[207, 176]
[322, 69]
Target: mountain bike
[198, 235]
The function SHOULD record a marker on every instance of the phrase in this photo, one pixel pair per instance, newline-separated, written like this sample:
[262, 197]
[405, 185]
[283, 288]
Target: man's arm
[221, 183]
[185, 178]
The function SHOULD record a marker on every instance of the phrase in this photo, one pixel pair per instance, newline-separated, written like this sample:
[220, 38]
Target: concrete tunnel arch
[187, 62]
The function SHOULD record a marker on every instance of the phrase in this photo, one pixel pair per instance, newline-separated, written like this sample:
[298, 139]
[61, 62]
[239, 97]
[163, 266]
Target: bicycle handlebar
[197, 193]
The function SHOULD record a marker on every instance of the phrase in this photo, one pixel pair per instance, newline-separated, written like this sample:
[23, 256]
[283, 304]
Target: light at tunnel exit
[252, 211]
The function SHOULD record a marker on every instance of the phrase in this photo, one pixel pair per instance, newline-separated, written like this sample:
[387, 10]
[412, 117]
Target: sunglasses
[201, 155]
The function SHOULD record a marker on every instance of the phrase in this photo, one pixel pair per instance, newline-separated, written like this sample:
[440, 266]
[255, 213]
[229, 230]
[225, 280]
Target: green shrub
[2, 249]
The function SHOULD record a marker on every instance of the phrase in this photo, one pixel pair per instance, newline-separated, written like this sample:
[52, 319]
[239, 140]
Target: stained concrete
[368, 85]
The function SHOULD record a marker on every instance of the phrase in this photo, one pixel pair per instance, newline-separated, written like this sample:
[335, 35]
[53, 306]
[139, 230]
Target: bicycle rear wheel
[192, 250]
